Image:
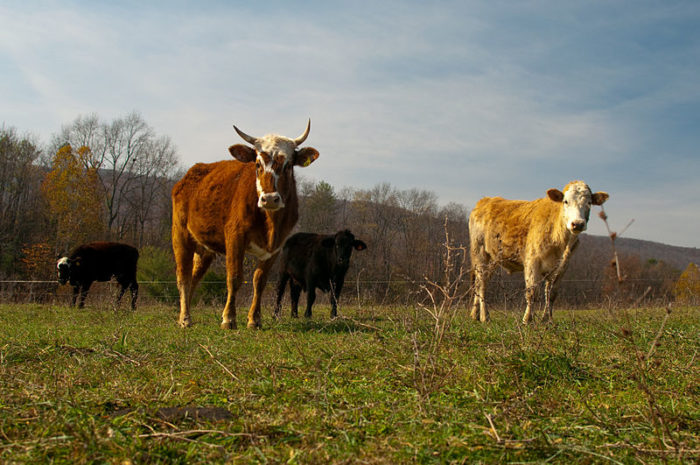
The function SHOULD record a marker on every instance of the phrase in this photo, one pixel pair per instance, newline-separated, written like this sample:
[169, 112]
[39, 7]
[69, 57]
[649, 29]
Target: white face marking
[62, 261]
[273, 146]
[276, 145]
[577, 207]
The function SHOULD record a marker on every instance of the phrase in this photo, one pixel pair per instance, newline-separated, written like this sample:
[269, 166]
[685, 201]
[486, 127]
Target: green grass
[92, 386]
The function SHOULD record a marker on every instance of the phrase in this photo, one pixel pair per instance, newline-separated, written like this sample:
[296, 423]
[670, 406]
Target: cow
[99, 261]
[231, 207]
[310, 261]
[536, 237]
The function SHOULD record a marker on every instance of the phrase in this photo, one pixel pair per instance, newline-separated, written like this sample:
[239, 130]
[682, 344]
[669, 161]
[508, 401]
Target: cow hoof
[185, 323]
[254, 325]
[228, 324]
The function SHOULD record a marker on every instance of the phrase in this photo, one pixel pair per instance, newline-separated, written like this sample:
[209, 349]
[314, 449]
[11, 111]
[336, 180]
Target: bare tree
[132, 164]
[20, 202]
[149, 194]
[126, 140]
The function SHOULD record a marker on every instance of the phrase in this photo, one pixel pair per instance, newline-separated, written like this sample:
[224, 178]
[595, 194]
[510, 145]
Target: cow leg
[335, 295]
[550, 293]
[479, 310]
[121, 292]
[481, 271]
[295, 293]
[531, 283]
[284, 278]
[83, 293]
[259, 281]
[551, 288]
[552, 282]
[200, 264]
[134, 293]
[76, 291]
[183, 250]
[310, 298]
[234, 279]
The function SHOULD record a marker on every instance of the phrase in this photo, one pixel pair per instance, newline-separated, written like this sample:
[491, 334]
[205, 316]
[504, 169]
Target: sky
[461, 98]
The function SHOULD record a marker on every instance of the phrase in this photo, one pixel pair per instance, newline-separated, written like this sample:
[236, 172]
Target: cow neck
[279, 223]
[561, 236]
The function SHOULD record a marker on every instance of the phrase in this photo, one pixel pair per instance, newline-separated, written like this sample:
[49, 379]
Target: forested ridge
[111, 180]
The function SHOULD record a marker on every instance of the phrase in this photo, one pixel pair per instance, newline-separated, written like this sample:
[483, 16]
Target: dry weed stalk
[642, 366]
[444, 297]
[429, 373]
[613, 236]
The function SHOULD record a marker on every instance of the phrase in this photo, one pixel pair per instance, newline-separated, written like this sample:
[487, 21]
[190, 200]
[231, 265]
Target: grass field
[378, 385]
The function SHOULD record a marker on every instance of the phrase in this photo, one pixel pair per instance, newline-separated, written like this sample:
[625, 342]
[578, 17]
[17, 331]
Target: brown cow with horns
[232, 207]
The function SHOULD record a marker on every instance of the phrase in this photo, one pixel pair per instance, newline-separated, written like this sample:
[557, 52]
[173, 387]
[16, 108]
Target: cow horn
[246, 137]
[300, 140]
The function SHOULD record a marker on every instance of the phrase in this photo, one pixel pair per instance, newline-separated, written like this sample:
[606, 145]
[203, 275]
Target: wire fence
[502, 293]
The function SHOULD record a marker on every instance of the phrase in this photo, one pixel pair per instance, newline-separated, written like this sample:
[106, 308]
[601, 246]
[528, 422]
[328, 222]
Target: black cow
[100, 261]
[311, 261]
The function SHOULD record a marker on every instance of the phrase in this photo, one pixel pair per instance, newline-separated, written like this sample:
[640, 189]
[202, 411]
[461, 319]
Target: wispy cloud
[462, 98]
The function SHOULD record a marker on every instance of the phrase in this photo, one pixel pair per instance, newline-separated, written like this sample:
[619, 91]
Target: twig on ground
[493, 428]
[654, 343]
[219, 363]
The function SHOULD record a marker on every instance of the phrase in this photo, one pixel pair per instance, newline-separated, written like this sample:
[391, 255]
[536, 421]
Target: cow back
[99, 261]
[213, 198]
[508, 229]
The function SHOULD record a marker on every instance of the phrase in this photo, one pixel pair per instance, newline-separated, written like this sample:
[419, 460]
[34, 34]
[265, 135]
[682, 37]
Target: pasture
[377, 385]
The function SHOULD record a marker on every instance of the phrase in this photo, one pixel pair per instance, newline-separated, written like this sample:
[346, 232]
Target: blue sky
[464, 98]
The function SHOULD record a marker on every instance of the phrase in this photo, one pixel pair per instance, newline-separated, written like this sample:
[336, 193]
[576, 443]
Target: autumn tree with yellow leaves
[687, 288]
[72, 192]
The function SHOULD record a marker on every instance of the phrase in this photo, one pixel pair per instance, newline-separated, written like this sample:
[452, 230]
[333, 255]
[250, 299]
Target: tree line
[111, 180]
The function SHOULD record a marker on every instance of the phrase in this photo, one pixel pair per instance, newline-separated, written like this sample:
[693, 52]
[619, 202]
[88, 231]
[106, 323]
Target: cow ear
[599, 198]
[359, 245]
[305, 156]
[555, 195]
[242, 153]
[328, 242]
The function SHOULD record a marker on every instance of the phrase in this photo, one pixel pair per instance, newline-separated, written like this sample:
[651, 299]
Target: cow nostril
[578, 225]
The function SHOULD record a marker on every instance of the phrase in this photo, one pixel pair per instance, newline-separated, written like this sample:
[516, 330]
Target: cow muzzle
[62, 276]
[272, 201]
[577, 226]
[63, 271]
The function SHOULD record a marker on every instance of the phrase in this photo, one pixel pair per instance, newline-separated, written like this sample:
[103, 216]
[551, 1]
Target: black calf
[100, 261]
[311, 261]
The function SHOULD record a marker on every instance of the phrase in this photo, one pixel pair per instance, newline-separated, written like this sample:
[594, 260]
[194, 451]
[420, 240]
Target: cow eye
[566, 202]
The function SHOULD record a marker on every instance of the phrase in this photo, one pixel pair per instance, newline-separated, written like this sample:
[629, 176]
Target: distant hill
[677, 257]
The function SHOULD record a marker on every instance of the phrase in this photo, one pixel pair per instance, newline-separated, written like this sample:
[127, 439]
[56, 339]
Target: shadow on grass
[335, 326]
[542, 367]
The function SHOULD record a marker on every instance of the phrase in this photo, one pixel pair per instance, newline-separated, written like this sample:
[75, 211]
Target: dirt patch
[174, 414]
